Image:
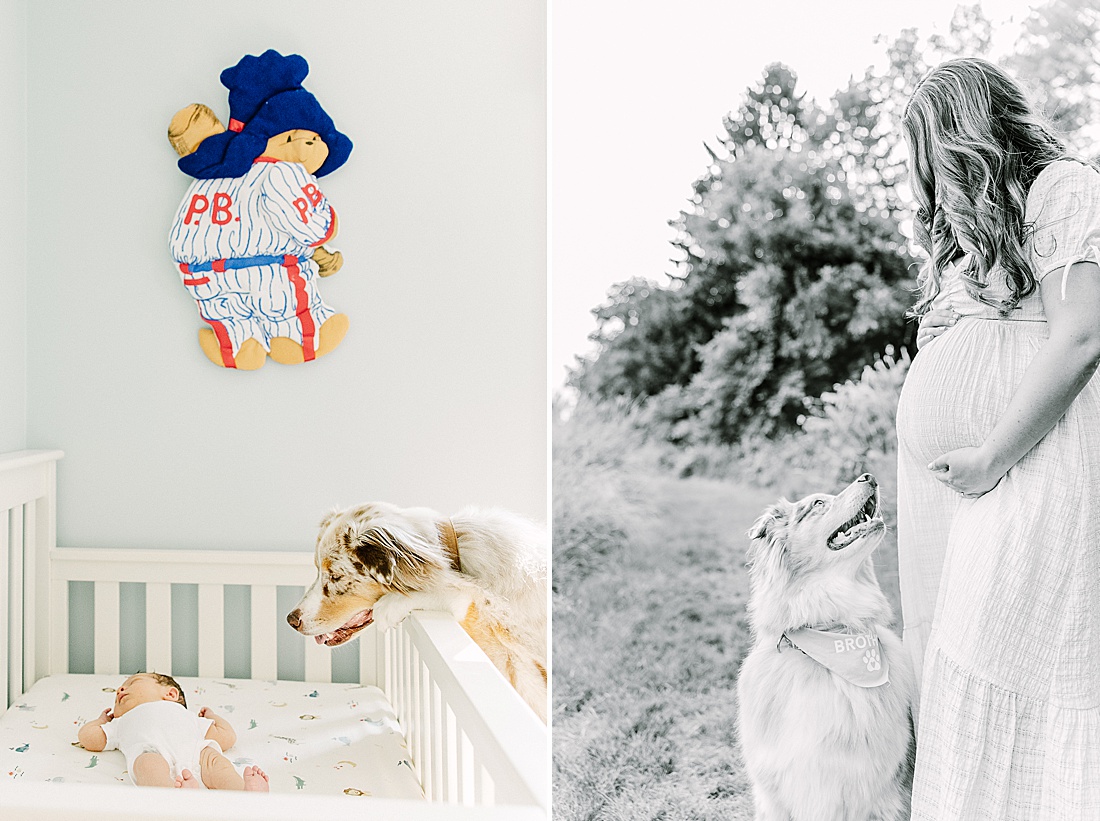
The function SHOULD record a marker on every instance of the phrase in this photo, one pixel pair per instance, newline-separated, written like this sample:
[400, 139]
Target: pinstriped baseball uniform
[244, 246]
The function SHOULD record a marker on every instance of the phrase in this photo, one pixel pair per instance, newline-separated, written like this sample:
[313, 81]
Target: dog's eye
[819, 503]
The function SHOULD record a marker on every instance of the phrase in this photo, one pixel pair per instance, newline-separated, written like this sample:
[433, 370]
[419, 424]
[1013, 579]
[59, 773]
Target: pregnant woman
[999, 458]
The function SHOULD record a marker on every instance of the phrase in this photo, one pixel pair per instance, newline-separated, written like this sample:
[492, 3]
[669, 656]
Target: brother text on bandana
[857, 657]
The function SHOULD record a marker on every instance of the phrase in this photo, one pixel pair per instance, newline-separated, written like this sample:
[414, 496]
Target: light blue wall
[13, 226]
[438, 395]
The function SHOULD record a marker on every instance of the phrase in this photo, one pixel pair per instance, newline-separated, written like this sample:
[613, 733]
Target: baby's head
[142, 688]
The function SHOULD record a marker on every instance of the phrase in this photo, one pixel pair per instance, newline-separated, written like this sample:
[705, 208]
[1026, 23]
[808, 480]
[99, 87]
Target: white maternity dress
[1001, 595]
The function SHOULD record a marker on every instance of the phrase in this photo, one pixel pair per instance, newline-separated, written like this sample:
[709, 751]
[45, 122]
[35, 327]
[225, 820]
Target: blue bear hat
[265, 98]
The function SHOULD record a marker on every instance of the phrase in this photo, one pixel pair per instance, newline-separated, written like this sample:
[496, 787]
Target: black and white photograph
[825, 453]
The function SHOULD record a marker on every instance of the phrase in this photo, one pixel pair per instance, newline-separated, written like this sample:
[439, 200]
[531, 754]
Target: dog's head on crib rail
[362, 554]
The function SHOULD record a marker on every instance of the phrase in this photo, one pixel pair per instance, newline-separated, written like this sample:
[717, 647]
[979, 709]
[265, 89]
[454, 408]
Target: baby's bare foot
[187, 780]
[255, 779]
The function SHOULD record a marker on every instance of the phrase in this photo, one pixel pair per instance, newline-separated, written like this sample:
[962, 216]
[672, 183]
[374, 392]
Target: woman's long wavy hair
[975, 147]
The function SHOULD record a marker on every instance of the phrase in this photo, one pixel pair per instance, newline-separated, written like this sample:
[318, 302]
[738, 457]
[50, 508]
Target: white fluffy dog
[825, 693]
[377, 562]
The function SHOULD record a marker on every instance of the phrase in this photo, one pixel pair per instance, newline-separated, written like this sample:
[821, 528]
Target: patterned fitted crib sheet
[313, 738]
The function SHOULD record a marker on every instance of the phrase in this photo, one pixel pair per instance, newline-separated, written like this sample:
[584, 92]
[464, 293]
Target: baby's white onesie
[164, 727]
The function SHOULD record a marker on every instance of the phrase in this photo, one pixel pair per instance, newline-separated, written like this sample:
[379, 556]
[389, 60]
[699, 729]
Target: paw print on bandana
[871, 659]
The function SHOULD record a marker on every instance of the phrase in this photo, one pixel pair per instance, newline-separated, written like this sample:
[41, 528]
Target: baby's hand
[105, 716]
[206, 712]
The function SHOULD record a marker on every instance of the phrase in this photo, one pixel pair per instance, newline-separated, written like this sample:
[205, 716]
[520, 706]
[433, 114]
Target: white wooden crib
[477, 749]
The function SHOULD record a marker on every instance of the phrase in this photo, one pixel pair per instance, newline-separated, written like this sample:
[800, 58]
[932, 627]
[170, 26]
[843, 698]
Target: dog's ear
[768, 553]
[373, 553]
[770, 521]
[394, 557]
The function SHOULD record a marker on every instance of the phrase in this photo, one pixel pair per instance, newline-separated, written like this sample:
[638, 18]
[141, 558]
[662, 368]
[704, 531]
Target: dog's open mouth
[347, 630]
[864, 520]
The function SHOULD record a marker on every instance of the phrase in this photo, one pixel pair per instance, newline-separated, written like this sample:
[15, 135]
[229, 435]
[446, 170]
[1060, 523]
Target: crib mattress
[312, 738]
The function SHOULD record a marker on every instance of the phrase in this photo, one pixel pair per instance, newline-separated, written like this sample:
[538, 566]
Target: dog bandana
[855, 657]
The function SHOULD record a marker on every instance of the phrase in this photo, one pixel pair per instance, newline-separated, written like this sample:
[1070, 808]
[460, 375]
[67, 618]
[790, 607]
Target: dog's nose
[294, 619]
[867, 477]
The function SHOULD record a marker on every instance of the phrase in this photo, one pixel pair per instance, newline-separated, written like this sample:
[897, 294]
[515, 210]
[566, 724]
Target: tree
[643, 343]
[820, 292]
[1056, 58]
[778, 266]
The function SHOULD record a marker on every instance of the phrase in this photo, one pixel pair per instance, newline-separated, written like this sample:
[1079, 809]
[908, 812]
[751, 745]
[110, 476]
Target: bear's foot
[286, 351]
[250, 357]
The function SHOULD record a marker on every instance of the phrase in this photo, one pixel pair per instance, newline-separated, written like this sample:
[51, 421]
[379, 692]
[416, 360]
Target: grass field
[648, 637]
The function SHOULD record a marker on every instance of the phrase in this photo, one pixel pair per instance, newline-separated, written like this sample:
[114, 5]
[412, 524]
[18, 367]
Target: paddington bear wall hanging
[249, 237]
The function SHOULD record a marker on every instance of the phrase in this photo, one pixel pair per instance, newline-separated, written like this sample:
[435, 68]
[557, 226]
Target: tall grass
[598, 454]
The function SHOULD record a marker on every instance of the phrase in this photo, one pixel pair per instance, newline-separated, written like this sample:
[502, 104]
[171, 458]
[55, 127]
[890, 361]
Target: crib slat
[450, 766]
[406, 681]
[30, 581]
[158, 627]
[390, 667]
[479, 783]
[59, 627]
[368, 657]
[403, 679]
[464, 759]
[423, 716]
[487, 789]
[264, 634]
[413, 710]
[106, 627]
[211, 631]
[318, 661]
[437, 760]
[15, 612]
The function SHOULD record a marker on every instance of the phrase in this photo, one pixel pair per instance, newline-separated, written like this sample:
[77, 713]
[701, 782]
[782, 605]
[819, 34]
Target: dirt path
[645, 662]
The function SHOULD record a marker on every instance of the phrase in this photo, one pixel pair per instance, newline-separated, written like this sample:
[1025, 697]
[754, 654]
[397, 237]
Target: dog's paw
[390, 611]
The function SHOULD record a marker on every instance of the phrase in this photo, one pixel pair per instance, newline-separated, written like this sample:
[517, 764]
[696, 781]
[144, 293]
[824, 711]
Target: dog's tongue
[340, 633]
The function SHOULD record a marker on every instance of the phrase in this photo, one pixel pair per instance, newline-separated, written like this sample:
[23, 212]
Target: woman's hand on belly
[934, 323]
[967, 471]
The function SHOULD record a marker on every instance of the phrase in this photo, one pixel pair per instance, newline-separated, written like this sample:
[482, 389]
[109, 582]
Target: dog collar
[855, 657]
[449, 539]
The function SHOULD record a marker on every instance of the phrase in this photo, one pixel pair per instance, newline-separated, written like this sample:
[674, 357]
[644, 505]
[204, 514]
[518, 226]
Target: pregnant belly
[960, 383]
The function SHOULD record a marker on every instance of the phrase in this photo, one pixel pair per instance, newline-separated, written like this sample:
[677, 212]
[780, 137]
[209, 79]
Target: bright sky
[637, 87]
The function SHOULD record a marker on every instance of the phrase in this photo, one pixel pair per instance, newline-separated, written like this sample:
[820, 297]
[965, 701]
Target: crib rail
[211, 571]
[436, 677]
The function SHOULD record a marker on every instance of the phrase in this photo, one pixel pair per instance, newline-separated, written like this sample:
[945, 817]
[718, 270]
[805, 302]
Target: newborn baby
[165, 744]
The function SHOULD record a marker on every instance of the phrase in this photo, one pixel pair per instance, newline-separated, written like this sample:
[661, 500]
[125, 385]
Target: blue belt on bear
[233, 264]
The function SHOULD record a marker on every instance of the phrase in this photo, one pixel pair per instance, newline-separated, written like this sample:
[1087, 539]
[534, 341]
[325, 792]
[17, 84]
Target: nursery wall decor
[249, 236]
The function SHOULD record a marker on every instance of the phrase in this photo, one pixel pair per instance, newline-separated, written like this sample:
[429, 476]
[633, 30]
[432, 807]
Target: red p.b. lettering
[221, 213]
[198, 205]
[312, 194]
[303, 206]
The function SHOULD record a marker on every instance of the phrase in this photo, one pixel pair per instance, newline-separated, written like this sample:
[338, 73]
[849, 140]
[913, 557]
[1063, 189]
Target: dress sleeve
[1064, 208]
